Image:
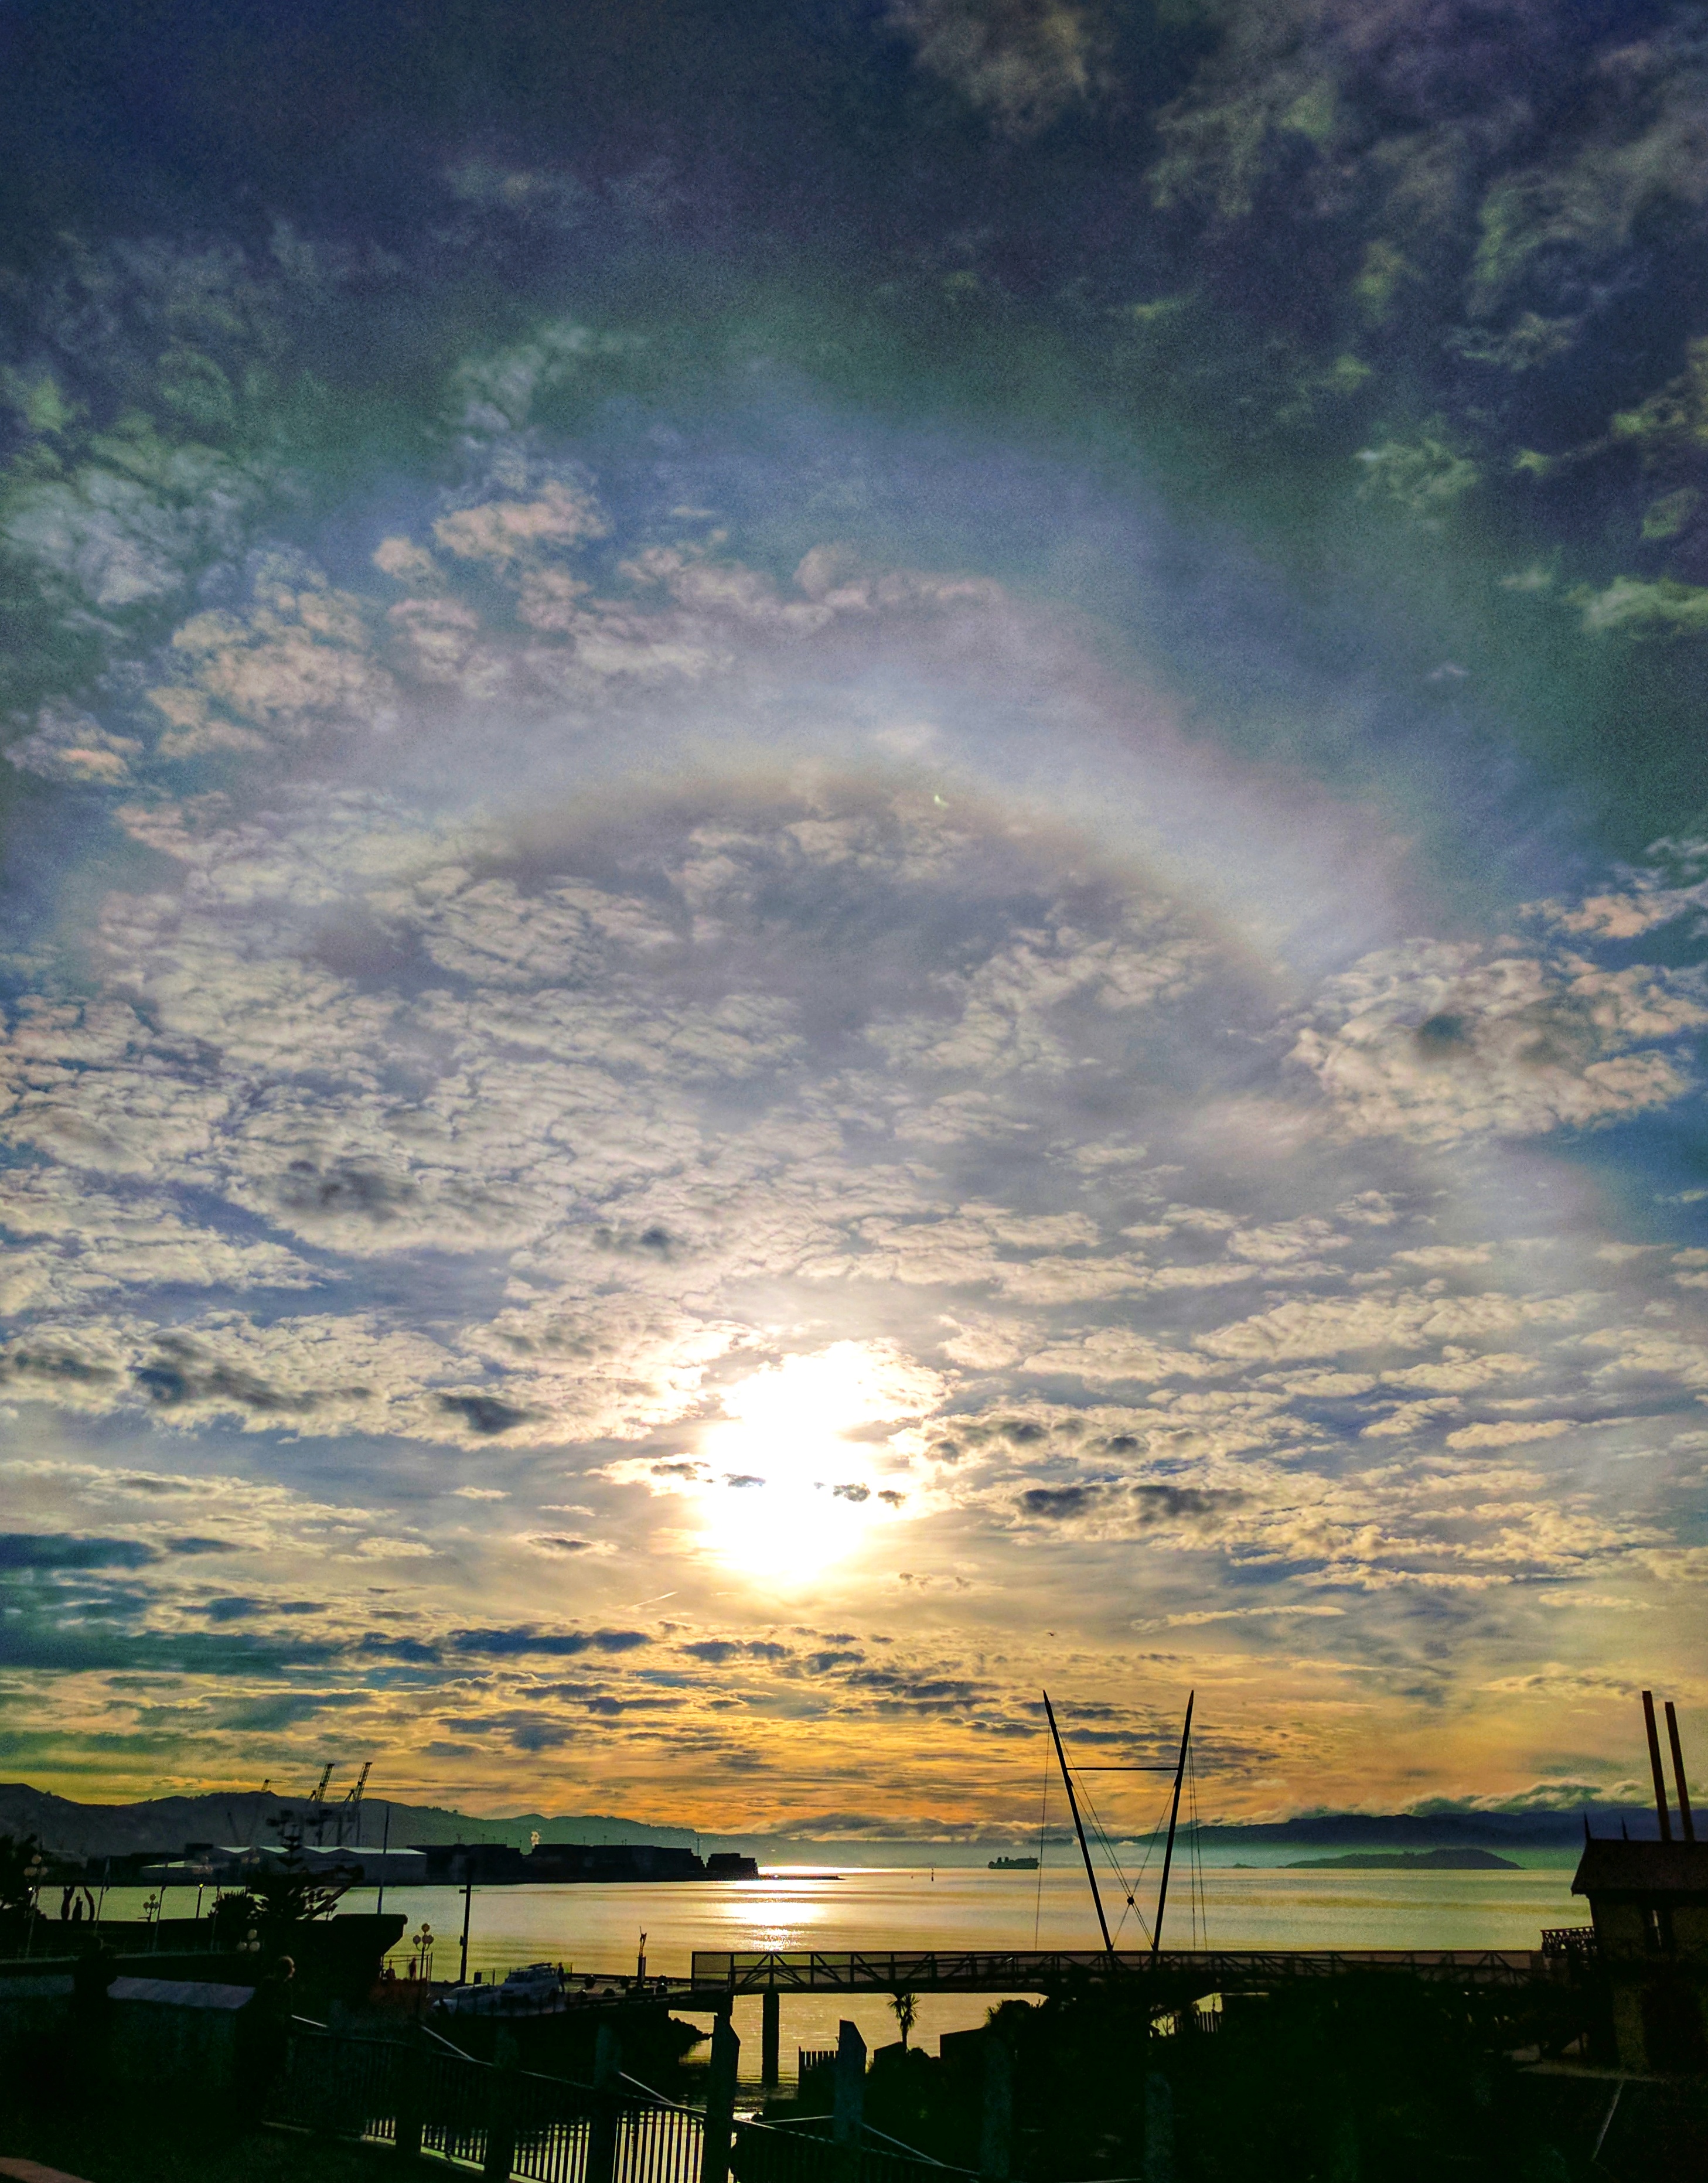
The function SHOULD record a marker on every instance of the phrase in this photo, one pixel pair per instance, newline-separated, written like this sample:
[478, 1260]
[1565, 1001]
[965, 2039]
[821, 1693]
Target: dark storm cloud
[49, 1550]
[716, 1651]
[930, 1691]
[236, 1607]
[411, 1649]
[49, 1365]
[267, 1716]
[180, 1374]
[524, 1730]
[1141, 1506]
[58, 1550]
[560, 1644]
[485, 1414]
[79, 1648]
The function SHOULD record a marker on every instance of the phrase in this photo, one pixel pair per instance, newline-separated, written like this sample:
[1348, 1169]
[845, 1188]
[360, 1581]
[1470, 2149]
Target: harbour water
[1257, 1906]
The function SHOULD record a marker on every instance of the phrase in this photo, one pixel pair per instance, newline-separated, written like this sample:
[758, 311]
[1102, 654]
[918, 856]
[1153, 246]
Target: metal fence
[420, 2096]
[425, 2098]
[338, 2087]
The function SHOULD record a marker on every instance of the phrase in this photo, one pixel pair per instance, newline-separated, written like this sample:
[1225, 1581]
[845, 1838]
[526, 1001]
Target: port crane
[318, 1813]
[349, 1812]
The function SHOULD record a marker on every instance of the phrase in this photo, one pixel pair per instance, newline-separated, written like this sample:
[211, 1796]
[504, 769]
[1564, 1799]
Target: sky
[849, 865]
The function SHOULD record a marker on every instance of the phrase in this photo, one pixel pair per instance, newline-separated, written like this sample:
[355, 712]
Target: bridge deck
[1036, 1970]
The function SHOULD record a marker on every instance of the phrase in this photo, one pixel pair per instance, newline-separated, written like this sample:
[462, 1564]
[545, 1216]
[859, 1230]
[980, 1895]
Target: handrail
[658, 2098]
[914, 2154]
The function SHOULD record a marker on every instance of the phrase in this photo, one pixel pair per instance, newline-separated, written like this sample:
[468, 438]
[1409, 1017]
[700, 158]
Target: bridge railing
[1577, 1945]
[1037, 1969]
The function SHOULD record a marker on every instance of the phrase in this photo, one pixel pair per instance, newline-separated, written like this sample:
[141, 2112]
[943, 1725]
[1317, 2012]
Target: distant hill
[1407, 1860]
[1423, 1830]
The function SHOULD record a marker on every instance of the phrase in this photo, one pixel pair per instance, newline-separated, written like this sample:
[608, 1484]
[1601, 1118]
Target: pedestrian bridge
[721, 1972]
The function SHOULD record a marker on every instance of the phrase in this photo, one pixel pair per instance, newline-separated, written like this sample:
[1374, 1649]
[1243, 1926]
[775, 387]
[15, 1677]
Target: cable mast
[1078, 1826]
[1173, 1817]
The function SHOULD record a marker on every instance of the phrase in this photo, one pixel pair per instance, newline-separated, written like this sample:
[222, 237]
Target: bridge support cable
[1129, 1886]
[1042, 1808]
[1200, 1900]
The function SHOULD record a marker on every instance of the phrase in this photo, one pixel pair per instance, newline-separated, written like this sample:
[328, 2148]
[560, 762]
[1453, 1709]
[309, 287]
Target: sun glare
[789, 1490]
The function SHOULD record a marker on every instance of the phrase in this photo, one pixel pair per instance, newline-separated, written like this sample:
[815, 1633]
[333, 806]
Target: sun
[796, 1478]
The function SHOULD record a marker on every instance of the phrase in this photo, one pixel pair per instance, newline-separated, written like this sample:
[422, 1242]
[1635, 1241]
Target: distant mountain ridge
[1530, 1829]
[167, 1823]
[242, 1816]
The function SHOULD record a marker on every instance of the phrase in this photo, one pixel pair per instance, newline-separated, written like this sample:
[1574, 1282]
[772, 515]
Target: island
[1408, 1860]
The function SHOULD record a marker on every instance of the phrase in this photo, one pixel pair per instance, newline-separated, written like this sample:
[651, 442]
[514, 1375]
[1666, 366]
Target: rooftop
[1642, 1867]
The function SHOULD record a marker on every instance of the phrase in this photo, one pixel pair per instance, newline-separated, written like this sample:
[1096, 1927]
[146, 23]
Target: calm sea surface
[598, 1927]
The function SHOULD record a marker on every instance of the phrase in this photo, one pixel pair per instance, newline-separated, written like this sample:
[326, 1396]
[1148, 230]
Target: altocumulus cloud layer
[676, 1116]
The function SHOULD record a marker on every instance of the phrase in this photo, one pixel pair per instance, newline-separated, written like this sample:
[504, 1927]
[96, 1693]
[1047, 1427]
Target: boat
[1012, 1864]
[535, 1989]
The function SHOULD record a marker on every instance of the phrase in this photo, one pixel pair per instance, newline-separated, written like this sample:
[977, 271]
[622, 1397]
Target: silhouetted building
[484, 1862]
[1650, 1903]
[730, 1864]
[576, 1861]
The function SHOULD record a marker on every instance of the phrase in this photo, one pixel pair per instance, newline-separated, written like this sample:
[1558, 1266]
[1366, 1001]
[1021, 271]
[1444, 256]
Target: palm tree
[906, 2007]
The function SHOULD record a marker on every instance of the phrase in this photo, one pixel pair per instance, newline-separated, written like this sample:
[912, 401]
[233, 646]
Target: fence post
[411, 2081]
[602, 2132]
[996, 2133]
[1159, 2129]
[720, 2103]
[500, 2112]
[771, 2038]
[848, 2112]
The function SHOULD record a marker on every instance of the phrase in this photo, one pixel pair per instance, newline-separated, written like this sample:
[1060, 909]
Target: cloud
[507, 1005]
[72, 748]
[1509, 1432]
[1115, 1353]
[1199, 1617]
[502, 531]
[1437, 1043]
[1024, 62]
[1409, 1318]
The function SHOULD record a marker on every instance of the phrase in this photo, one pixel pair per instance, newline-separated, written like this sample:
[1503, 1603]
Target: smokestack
[1661, 1812]
[1685, 1821]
